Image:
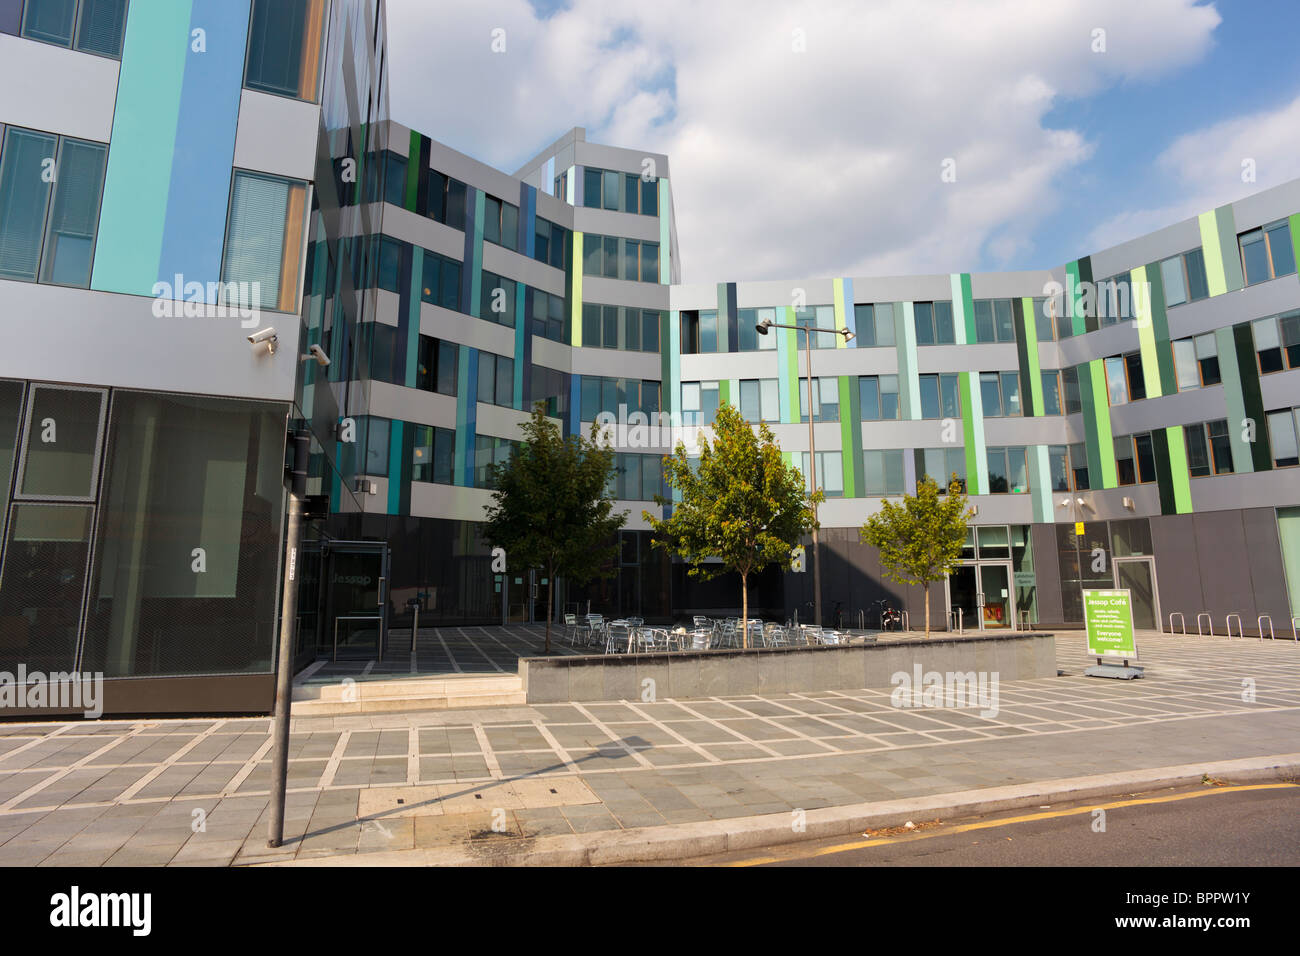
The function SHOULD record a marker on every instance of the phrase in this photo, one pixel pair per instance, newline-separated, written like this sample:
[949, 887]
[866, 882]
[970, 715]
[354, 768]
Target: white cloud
[789, 164]
[1205, 169]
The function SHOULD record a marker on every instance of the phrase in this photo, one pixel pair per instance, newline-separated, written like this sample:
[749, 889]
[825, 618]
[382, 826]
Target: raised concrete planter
[730, 673]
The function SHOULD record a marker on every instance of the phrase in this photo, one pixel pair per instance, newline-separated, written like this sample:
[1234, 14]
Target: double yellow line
[1004, 821]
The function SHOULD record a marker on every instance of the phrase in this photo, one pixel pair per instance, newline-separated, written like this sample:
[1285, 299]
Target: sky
[877, 137]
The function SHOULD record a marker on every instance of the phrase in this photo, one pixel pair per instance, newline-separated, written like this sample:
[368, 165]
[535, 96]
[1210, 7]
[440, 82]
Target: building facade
[169, 171]
[212, 236]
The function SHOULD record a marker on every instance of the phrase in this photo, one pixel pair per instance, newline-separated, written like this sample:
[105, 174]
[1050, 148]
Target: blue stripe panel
[395, 468]
[575, 406]
[197, 202]
[471, 415]
[467, 261]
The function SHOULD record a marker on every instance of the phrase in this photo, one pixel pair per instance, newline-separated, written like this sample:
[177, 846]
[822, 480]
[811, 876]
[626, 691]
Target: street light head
[1079, 501]
[763, 326]
[848, 335]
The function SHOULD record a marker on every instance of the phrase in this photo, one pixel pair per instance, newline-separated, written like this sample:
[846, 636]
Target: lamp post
[762, 328]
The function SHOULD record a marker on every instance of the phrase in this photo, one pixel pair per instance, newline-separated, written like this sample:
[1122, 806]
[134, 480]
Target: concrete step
[404, 694]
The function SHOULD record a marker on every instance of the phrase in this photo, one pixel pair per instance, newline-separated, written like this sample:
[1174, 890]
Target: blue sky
[789, 163]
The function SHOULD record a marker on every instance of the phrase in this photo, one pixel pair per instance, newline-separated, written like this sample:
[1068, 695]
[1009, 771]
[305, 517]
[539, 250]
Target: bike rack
[1182, 620]
[905, 620]
[958, 612]
[862, 619]
[1228, 622]
[1259, 623]
[1209, 620]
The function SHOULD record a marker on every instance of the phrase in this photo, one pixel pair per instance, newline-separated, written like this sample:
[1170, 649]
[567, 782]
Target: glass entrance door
[358, 602]
[995, 589]
[963, 597]
[1138, 577]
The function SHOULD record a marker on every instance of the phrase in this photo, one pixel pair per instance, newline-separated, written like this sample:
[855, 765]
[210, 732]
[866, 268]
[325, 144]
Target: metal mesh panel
[185, 577]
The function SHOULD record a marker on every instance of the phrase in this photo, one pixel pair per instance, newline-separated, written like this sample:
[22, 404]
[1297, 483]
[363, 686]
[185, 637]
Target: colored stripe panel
[474, 234]
[1142, 315]
[396, 473]
[844, 289]
[1031, 380]
[1213, 254]
[198, 197]
[413, 173]
[1096, 424]
[1180, 477]
[962, 310]
[665, 246]
[1234, 401]
[133, 214]
[1252, 399]
[972, 420]
[787, 345]
[1160, 331]
[851, 436]
[909, 382]
[1226, 221]
[466, 396]
[575, 298]
[1040, 484]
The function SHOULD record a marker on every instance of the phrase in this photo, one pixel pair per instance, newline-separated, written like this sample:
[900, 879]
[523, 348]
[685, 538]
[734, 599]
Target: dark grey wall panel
[1047, 572]
[1224, 569]
[1173, 538]
[1264, 554]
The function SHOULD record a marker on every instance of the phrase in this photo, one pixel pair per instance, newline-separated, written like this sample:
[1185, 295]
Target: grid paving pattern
[134, 792]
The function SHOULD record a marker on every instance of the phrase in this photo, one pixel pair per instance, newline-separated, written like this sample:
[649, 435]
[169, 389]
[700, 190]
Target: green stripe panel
[962, 307]
[850, 436]
[1226, 221]
[787, 350]
[1219, 243]
[1295, 246]
[1096, 425]
[724, 330]
[1160, 331]
[968, 306]
[841, 313]
[1040, 484]
[724, 391]
[1164, 476]
[133, 212]
[413, 326]
[1073, 300]
[1234, 401]
[575, 297]
[909, 382]
[1252, 398]
[1027, 352]
[972, 421]
[1151, 372]
[413, 172]
[1180, 477]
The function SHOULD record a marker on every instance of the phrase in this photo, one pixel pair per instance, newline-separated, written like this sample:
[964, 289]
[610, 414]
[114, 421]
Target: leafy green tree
[551, 509]
[920, 541]
[741, 503]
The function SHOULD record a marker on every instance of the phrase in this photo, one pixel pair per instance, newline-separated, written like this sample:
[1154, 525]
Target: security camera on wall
[317, 353]
[264, 338]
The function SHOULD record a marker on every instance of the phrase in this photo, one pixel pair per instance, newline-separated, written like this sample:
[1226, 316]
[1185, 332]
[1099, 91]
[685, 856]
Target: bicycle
[889, 617]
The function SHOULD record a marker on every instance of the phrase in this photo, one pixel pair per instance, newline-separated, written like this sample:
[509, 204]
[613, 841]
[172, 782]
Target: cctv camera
[262, 335]
[318, 354]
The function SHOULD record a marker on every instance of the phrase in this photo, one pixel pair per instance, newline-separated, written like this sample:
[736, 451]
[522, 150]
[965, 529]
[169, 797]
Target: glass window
[984, 321]
[883, 471]
[1171, 272]
[1198, 284]
[650, 197]
[1146, 458]
[492, 219]
[610, 190]
[883, 320]
[997, 459]
[591, 186]
[929, 396]
[631, 264]
[609, 326]
[1254, 257]
[1043, 319]
[1207, 357]
[1125, 465]
[1003, 321]
[24, 199]
[994, 541]
[1079, 466]
[1011, 394]
[74, 215]
[650, 320]
[264, 241]
[1198, 453]
[943, 327]
[1058, 466]
[1280, 248]
[1116, 386]
[284, 47]
[866, 326]
[1185, 367]
[924, 319]
[750, 401]
[487, 368]
[1282, 435]
[44, 580]
[50, 21]
[991, 394]
[1051, 393]
[1220, 446]
[649, 262]
[102, 24]
[61, 451]
[709, 331]
[505, 387]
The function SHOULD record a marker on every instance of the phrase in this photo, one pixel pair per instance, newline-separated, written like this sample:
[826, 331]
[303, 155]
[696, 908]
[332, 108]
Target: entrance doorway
[356, 601]
[981, 592]
[1138, 576]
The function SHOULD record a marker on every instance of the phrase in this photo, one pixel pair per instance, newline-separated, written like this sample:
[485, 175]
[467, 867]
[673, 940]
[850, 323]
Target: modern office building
[1126, 419]
[170, 171]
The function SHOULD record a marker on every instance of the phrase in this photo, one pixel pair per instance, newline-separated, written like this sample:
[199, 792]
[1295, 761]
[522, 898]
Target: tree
[550, 508]
[741, 504]
[920, 541]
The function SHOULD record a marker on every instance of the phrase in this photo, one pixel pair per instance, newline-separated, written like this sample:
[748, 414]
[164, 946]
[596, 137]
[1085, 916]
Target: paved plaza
[135, 792]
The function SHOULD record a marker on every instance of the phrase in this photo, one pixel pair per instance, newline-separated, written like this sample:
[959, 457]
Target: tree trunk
[550, 606]
[744, 611]
[927, 608]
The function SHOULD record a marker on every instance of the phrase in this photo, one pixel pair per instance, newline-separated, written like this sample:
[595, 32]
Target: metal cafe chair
[618, 638]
